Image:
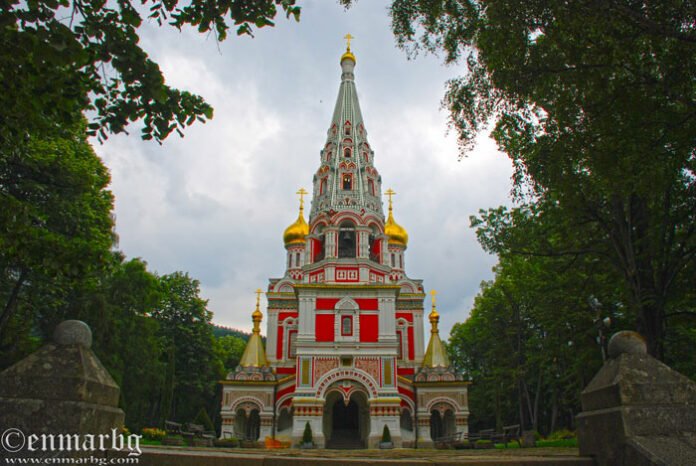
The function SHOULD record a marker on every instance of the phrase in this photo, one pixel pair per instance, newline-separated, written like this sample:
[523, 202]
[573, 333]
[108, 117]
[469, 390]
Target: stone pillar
[62, 388]
[637, 411]
[384, 412]
[312, 411]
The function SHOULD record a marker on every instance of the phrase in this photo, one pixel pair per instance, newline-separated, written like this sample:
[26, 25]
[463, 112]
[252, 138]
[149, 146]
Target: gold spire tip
[348, 54]
[302, 192]
[390, 192]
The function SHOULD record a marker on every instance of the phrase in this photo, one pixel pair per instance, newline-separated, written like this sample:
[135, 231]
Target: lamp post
[601, 324]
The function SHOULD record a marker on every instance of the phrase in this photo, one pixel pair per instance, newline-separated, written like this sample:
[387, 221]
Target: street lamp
[602, 324]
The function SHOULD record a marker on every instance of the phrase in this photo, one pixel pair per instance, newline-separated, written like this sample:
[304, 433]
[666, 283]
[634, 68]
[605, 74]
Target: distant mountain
[222, 331]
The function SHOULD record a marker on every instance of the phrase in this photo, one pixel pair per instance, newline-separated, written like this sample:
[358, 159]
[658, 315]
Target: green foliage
[593, 103]
[153, 433]
[229, 351]
[386, 435]
[203, 419]
[184, 322]
[53, 68]
[221, 331]
[230, 442]
[307, 434]
[562, 434]
[55, 212]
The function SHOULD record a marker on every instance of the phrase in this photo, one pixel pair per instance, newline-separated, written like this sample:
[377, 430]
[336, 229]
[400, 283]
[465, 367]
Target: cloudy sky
[215, 203]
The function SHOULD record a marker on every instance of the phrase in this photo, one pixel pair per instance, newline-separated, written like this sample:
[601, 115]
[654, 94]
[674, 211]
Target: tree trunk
[11, 304]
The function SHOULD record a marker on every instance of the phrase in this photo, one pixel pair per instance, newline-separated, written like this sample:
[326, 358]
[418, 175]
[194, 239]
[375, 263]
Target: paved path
[182, 456]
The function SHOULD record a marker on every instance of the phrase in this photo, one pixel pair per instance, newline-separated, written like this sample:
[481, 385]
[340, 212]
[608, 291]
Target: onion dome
[254, 354]
[396, 233]
[436, 354]
[348, 54]
[296, 233]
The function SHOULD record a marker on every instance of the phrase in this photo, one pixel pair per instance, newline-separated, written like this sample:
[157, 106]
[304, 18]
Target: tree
[59, 58]
[594, 103]
[55, 219]
[184, 323]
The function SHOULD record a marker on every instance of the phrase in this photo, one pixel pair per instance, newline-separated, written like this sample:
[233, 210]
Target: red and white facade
[345, 324]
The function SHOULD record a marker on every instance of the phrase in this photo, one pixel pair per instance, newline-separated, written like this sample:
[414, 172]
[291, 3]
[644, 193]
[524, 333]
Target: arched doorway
[346, 425]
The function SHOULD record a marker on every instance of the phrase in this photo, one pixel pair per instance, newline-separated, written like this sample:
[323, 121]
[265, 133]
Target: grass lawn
[570, 442]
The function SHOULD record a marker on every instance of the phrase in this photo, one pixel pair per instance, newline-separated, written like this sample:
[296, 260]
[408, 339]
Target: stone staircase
[345, 440]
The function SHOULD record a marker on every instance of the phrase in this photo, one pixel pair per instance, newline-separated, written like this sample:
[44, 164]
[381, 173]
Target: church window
[375, 249]
[347, 181]
[393, 260]
[346, 326]
[366, 157]
[400, 343]
[401, 261]
[318, 247]
[292, 346]
[347, 152]
[346, 240]
[322, 186]
[371, 186]
[297, 259]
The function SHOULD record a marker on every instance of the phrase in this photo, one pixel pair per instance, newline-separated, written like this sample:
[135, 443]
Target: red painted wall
[326, 304]
[279, 343]
[369, 327]
[367, 304]
[324, 327]
[411, 349]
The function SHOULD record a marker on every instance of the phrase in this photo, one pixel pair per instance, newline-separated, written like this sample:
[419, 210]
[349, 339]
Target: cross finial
[390, 192]
[433, 293]
[258, 297]
[301, 193]
[348, 38]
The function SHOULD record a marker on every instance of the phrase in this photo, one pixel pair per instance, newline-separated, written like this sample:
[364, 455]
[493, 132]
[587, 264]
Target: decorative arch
[284, 286]
[347, 303]
[247, 404]
[344, 373]
[346, 391]
[285, 401]
[444, 403]
[406, 287]
[347, 215]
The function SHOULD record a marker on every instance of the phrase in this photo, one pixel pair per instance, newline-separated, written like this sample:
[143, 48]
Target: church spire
[347, 178]
[436, 354]
[254, 354]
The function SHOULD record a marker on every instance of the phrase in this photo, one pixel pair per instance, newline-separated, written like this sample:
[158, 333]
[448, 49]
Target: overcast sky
[215, 203]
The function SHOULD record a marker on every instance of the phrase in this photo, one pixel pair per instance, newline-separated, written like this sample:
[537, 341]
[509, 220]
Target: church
[345, 332]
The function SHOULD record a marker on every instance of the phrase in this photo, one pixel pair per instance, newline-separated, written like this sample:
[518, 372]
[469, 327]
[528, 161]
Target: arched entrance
[346, 425]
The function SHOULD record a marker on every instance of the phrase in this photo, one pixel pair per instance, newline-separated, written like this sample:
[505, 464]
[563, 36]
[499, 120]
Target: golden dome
[396, 233]
[348, 54]
[296, 233]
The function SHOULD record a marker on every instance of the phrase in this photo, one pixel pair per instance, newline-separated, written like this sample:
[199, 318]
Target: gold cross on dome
[258, 297]
[302, 193]
[390, 192]
[432, 294]
[348, 38]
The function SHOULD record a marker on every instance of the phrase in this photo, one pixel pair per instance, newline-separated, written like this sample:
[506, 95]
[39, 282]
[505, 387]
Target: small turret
[436, 354]
[254, 354]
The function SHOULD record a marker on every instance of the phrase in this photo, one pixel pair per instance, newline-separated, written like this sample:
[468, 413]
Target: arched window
[322, 186]
[297, 260]
[346, 326]
[347, 181]
[371, 186]
[346, 240]
[375, 249]
[292, 345]
[347, 152]
[406, 420]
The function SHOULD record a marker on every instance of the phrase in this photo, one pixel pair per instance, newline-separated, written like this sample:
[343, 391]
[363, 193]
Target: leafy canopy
[59, 58]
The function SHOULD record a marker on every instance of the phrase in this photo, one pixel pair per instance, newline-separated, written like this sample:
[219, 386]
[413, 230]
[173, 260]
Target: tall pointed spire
[254, 354]
[347, 178]
[436, 354]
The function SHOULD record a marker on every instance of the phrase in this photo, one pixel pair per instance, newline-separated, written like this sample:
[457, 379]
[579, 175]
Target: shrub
[562, 434]
[484, 442]
[307, 435]
[153, 433]
[229, 442]
[203, 419]
[386, 435]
